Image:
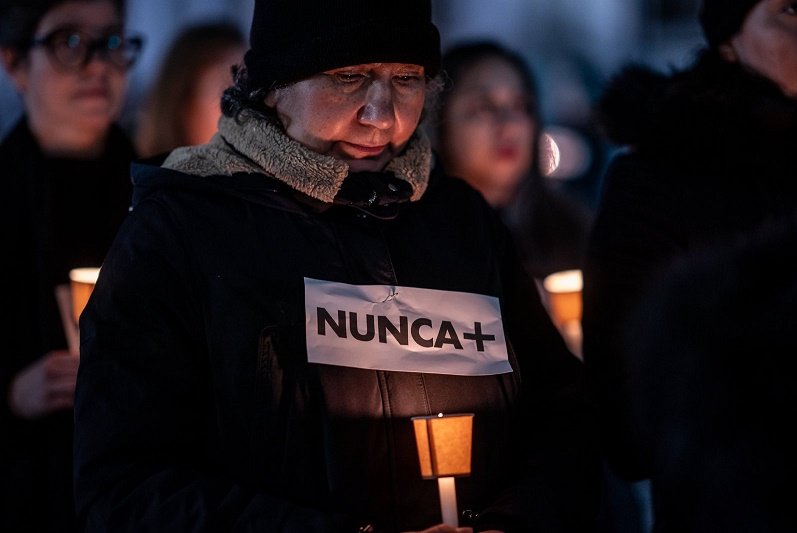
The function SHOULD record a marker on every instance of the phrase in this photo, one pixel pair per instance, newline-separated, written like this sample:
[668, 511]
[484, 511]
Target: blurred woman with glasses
[65, 189]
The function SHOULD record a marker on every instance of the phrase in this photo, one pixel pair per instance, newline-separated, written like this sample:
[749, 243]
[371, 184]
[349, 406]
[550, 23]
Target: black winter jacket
[708, 153]
[713, 384]
[197, 409]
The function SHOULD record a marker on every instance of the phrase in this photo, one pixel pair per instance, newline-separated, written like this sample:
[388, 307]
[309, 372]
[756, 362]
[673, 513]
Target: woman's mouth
[92, 93]
[506, 152]
[361, 150]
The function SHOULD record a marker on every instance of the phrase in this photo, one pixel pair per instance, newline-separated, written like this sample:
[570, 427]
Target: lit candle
[82, 281]
[444, 446]
[563, 296]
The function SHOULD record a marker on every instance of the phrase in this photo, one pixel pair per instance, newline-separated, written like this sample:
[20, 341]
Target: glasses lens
[69, 48]
[122, 52]
[74, 50]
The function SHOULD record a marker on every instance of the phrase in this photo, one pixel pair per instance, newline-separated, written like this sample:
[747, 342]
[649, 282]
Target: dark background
[573, 46]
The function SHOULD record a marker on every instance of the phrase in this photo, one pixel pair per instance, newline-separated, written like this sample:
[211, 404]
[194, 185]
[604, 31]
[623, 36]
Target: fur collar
[255, 143]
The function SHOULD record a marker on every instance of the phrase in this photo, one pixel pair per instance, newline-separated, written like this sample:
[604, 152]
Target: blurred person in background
[65, 188]
[211, 393]
[708, 154]
[488, 131]
[711, 373]
[182, 106]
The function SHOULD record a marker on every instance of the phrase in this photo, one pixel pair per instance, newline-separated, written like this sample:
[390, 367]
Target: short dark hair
[19, 18]
[722, 19]
[243, 95]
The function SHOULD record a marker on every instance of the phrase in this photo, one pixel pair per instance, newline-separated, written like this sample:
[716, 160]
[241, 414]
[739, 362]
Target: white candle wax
[448, 500]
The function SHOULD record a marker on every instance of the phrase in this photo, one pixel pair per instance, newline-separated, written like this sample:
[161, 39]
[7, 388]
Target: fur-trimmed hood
[254, 143]
[711, 105]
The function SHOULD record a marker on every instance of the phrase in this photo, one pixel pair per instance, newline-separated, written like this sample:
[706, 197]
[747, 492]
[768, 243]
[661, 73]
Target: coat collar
[255, 143]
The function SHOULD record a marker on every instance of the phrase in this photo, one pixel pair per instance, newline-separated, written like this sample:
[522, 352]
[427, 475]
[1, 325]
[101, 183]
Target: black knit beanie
[722, 19]
[294, 39]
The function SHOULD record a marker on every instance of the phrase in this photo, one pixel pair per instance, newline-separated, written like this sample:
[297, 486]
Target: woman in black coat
[709, 153]
[713, 384]
[283, 300]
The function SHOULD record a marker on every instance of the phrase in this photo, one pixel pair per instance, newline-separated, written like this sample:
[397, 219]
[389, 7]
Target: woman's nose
[378, 110]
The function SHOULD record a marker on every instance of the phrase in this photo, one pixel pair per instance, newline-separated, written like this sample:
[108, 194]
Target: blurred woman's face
[363, 114]
[70, 108]
[488, 130]
[767, 43]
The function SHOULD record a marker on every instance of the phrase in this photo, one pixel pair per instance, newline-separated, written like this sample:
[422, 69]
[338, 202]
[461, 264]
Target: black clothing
[722, 19]
[550, 228]
[291, 41]
[710, 153]
[197, 408]
[713, 384]
[57, 214]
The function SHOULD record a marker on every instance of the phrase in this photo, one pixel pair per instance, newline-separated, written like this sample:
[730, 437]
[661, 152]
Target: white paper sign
[405, 329]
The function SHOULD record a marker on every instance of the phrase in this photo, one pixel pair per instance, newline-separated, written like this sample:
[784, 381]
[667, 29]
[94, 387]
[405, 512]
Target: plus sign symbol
[478, 336]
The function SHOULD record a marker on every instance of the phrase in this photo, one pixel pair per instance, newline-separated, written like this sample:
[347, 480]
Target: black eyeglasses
[73, 49]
